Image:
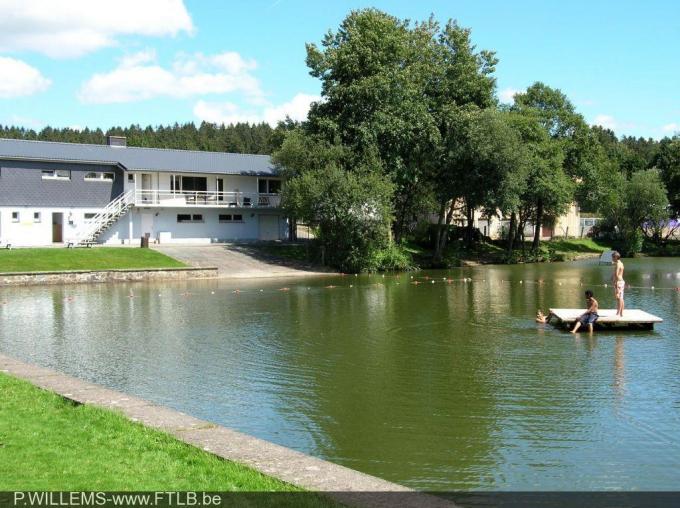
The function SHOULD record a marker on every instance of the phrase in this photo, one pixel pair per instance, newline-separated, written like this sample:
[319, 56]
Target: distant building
[71, 193]
[568, 225]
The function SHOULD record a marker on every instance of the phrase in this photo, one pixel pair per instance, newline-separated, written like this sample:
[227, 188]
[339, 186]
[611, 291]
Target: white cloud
[25, 121]
[508, 95]
[671, 127]
[18, 79]
[606, 121]
[139, 76]
[73, 28]
[609, 122]
[228, 112]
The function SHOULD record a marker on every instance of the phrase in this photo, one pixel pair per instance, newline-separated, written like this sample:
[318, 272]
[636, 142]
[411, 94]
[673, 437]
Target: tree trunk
[398, 226]
[444, 237]
[539, 222]
[292, 229]
[437, 256]
[470, 215]
[511, 233]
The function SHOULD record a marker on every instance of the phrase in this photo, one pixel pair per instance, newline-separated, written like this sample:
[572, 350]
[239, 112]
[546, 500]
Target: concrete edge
[341, 483]
[14, 279]
[113, 270]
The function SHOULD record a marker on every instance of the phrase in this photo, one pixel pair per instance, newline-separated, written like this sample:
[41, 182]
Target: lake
[438, 385]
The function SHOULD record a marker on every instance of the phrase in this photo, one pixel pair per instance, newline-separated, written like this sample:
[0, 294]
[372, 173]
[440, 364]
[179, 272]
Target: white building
[567, 225]
[70, 193]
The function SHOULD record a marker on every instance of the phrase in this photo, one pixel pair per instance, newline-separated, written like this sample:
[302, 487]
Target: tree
[647, 203]
[635, 208]
[667, 160]
[481, 158]
[351, 211]
[463, 84]
[551, 187]
[374, 73]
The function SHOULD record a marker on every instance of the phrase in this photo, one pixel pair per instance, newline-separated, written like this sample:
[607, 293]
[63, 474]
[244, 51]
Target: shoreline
[338, 482]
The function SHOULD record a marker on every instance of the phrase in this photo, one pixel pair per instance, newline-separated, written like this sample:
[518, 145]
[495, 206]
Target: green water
[444, 385]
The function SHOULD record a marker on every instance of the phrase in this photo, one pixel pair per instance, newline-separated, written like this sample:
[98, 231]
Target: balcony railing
[206, 199]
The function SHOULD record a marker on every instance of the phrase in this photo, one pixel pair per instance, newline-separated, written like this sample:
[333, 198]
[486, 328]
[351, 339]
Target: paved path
[238, 261]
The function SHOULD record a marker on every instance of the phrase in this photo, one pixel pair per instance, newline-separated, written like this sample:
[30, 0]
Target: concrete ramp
[239, 261]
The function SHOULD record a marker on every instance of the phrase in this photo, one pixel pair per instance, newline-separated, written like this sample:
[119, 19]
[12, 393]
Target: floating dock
[632, 318]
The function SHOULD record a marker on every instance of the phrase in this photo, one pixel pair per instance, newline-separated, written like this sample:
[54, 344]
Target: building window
[36, 216]
[185, 217]
[56, 174]
[89, 216]
[99, 177]
[267, 186]
[131, 178]
[231, 217]
[15, 216]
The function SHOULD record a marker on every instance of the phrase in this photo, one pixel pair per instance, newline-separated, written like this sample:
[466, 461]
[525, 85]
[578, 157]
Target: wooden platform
[632, 318]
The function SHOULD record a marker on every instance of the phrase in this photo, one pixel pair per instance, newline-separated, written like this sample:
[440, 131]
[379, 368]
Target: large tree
[374, 73]
[551, 188]
[463, 85]
[481, 159]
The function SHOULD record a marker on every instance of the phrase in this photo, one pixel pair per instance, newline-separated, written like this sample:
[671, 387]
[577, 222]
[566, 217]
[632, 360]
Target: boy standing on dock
[590, 315]
[619, 283]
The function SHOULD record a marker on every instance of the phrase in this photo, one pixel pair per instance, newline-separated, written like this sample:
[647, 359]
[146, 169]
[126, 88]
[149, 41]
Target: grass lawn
[49, 443]
[99, 258]
[581, 245]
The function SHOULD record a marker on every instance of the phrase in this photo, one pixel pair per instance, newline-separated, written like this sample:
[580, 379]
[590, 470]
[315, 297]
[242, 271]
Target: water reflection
[444, 385]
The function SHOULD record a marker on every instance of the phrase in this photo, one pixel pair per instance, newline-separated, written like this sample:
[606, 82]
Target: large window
[229, 217]
[268, 186]
[187, 217]
[188, 183]
[99, 177]
[56, 174]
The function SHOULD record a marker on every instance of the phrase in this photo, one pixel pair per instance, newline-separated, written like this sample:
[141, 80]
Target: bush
[350, 211]
[393, 258]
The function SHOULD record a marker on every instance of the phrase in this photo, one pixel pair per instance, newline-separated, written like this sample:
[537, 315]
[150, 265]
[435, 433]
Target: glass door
[220, 189]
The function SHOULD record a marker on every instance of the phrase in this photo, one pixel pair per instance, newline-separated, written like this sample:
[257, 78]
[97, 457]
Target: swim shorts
[589, 318]
[618, 290]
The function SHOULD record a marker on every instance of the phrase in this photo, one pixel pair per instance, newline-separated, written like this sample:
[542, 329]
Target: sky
[95, 63]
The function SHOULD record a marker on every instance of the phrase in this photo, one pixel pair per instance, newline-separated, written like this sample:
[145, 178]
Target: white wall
[27, 232]
[159, 220]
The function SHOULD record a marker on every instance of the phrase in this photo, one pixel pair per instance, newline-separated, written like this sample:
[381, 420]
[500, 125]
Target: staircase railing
[104, 218]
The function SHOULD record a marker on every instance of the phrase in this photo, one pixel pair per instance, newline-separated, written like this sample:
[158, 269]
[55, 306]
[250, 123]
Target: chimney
[119, 141]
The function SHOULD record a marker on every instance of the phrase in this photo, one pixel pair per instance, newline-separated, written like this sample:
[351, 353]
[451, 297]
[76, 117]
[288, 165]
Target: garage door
[269, 227]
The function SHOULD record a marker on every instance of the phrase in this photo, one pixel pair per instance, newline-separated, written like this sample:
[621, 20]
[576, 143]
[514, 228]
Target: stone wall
[94, 276]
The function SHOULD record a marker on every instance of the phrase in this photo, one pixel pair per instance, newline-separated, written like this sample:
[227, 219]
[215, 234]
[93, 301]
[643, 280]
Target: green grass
[581, 245]
[49, 443]
[99, 258]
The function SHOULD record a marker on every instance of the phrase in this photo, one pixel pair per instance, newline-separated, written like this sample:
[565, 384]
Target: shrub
[393, 258]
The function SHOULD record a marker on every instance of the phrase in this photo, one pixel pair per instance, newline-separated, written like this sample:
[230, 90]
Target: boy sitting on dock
[590, 315]
[619, 283]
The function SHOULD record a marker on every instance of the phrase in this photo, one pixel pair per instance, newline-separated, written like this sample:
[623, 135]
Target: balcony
[206, 199]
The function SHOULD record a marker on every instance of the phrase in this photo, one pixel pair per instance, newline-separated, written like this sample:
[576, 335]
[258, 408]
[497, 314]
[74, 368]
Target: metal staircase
[108, 215]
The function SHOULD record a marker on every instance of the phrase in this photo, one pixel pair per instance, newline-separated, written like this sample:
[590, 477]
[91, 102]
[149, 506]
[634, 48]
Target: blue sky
[165, 61]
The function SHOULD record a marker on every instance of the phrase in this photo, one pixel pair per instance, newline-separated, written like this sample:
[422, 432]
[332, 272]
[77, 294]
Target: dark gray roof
[134, 158]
